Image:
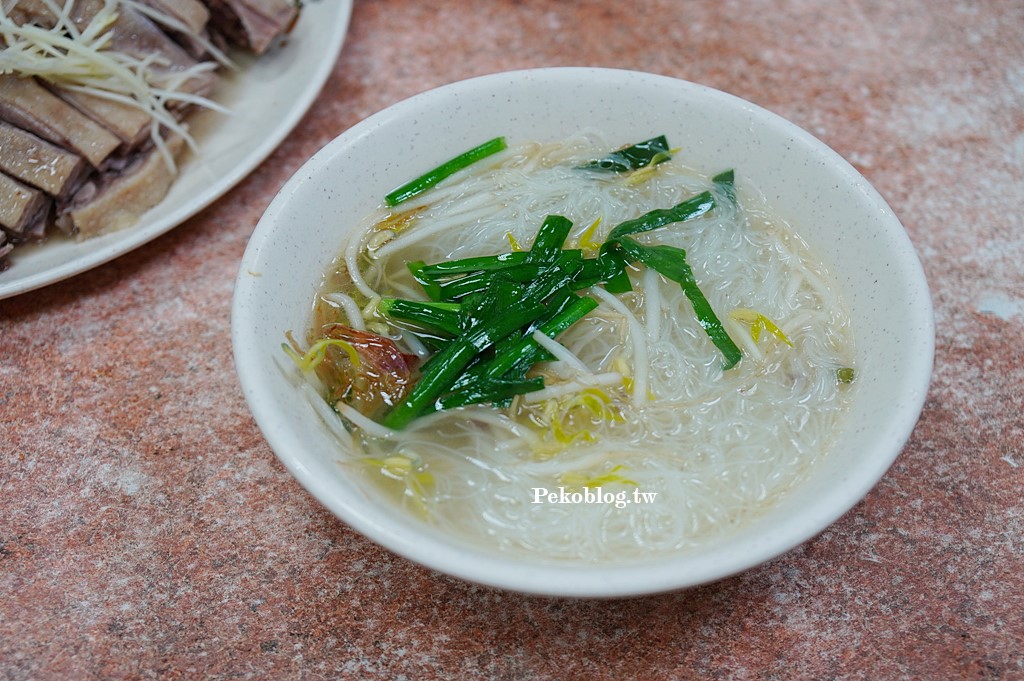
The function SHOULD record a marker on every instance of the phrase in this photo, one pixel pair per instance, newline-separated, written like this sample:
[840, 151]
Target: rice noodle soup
[691, 389]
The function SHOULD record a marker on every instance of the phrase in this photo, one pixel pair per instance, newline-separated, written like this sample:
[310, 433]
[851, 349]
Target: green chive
[488, 391]
[726, 181]
[441, 371]
[686, 210]
[441, 316]
[486, 263]
[444, 171]
[671, 263]
[633, 157]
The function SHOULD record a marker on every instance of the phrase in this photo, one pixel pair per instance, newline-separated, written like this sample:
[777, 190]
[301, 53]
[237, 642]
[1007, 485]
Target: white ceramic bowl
[836, 210]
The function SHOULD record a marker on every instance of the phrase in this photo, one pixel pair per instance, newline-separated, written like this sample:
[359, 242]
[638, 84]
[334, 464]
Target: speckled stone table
[148, 531]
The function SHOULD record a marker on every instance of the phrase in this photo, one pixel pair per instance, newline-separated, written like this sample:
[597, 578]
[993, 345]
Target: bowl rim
[552, 579]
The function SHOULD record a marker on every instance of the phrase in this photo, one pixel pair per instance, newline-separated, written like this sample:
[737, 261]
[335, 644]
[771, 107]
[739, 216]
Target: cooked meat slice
[5, 248]
[35, 161]
[252, 23]
[131, 34]
[130, 123]
[28, 11]
[192, 13]
[109, 202]
[23, 210]
[29, 106]
[139, 37]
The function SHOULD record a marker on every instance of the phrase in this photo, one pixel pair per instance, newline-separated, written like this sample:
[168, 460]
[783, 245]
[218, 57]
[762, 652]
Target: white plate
[267, 98]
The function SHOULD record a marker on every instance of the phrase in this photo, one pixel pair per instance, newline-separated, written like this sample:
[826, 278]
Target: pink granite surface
[148, 531]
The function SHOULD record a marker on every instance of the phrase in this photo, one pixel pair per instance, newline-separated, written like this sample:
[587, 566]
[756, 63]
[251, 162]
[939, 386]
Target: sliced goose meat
[109, 202]
[193, 17]
[137, 36]
[29, 106]
[253, 24]
[23, 210]
[36, 162]
[5, 248]
[132, 34]
[192, 13]
[131, 124]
